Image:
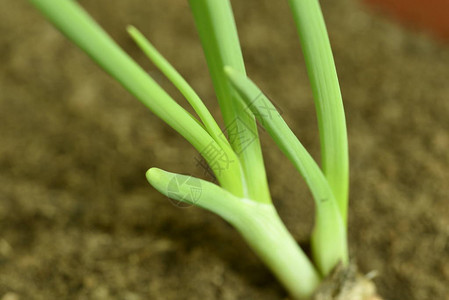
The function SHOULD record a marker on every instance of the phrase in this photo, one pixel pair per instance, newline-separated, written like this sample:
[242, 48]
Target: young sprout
[242, 197]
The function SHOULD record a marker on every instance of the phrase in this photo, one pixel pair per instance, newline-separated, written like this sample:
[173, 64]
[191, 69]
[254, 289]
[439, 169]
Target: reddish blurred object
[430, 15]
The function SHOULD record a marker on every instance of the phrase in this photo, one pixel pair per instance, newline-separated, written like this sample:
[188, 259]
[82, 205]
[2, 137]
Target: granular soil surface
[79, 221]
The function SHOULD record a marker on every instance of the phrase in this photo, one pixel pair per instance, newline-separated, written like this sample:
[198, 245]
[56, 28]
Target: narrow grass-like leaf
[327, 96]
[77, 25]
[258, 223]
[187, 91]
[181, 84]
[218, 34]
[329, 236]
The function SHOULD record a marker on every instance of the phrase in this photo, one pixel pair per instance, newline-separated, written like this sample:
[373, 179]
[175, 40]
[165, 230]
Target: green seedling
[241, 195]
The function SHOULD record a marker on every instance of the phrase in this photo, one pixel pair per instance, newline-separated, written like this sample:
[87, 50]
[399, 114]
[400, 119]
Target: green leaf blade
[181, 84]
[327, 96]
[218, 34]
[79, 27]
[329, 237]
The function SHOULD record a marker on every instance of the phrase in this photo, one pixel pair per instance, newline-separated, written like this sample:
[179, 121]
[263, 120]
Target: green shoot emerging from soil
[242, 197]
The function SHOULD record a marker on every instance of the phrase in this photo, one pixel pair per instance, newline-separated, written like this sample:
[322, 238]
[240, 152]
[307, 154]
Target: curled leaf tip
[130, 28]
[153, 174]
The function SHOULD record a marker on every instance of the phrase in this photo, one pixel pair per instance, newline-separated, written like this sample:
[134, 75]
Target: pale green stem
[328, 101]
[329, 245]
[258, 223]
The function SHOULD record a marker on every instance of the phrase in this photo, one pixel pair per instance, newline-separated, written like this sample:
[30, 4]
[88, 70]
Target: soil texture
[79, 221]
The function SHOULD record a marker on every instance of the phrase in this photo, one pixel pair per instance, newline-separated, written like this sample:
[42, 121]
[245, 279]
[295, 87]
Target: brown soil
[79, 221]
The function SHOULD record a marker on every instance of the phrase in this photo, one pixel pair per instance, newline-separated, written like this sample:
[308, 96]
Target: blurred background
[79, 221]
